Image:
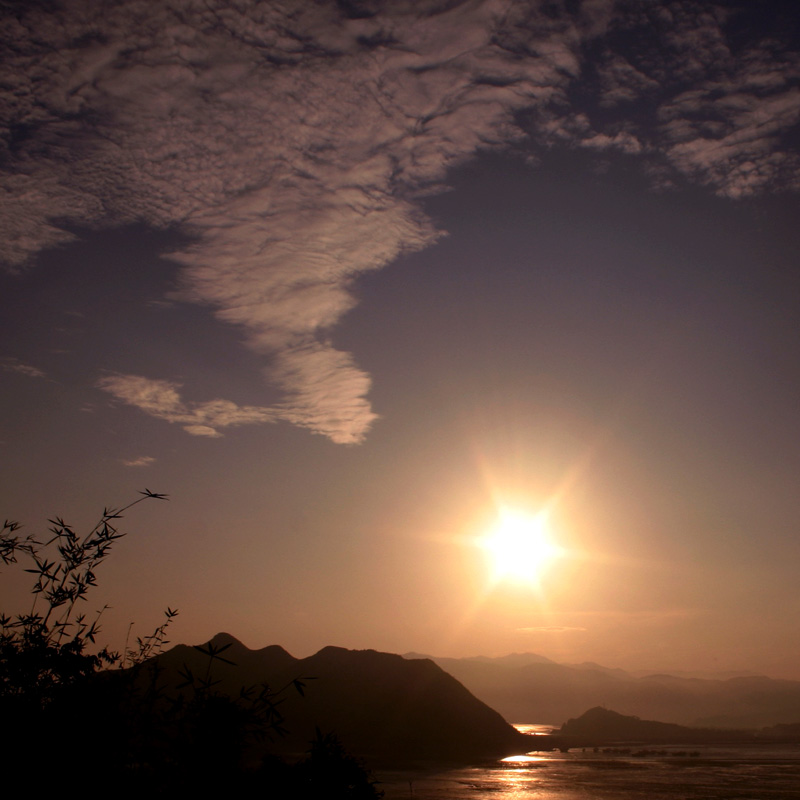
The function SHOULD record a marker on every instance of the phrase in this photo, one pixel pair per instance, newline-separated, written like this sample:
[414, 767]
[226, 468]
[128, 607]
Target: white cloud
[622, 140]
[14, 365]
[722, 115]
[162, 400]
[142, 461]
[319, 398]
[292, 143]
[285, 143]
[730, 137]
[202, 430]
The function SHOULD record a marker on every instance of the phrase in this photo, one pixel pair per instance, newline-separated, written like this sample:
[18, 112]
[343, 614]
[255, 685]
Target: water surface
[767, 772]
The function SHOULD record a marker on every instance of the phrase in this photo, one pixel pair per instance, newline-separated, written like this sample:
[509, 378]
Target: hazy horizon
[350, 281]
[721, 674]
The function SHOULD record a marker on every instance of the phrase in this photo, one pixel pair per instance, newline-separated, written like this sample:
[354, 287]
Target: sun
[520, 546]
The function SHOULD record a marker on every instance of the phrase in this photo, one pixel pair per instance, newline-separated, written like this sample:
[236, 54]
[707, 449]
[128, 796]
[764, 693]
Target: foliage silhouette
[48, 649]
[127, 725]
[331, 772]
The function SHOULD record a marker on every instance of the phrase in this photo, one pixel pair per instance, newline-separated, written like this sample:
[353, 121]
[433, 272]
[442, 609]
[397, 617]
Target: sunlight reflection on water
[714, 773]
[522, 760]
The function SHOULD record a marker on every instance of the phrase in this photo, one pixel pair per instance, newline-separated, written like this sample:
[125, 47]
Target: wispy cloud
[14, 365]
[291, 143]
[142, 461]
[321, 403]
[161, 399]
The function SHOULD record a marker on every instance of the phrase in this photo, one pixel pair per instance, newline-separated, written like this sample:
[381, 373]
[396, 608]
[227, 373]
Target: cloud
[142, 461]
[724, 113]
[162, 400]
[291, 142]
[621, 140]
[620, 82]
[14, 365]
[675, 85]
[319, 400]
[729, 133]
[202, 430]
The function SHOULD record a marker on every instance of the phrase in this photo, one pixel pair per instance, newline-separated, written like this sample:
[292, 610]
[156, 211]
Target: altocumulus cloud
[291, 141]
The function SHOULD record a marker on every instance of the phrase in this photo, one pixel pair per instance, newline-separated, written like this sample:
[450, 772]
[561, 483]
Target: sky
[347, 279]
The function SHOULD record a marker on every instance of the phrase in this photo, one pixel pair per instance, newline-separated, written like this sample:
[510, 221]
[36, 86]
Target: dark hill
[603, 726]
[250, 667]
[381, 705]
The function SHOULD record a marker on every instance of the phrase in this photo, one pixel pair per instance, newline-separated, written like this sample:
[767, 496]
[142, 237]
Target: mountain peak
[223, 639]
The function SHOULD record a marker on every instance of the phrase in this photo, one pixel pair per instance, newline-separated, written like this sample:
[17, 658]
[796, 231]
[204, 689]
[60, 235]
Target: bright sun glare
[520, 546]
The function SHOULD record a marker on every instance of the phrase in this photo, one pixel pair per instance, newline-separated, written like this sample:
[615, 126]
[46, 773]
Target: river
[765, 772]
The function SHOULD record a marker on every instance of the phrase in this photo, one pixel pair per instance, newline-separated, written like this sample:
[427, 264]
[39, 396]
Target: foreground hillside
[381, 705]
[530, 688]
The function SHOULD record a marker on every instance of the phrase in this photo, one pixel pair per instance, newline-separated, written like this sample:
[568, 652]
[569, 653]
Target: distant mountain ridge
[382, 706]
[511, 660]
[603, 726]
[531, 688]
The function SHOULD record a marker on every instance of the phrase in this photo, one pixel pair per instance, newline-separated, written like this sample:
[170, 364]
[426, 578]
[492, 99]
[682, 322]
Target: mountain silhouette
[536, 690]
[603, 726]
[382, 706]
